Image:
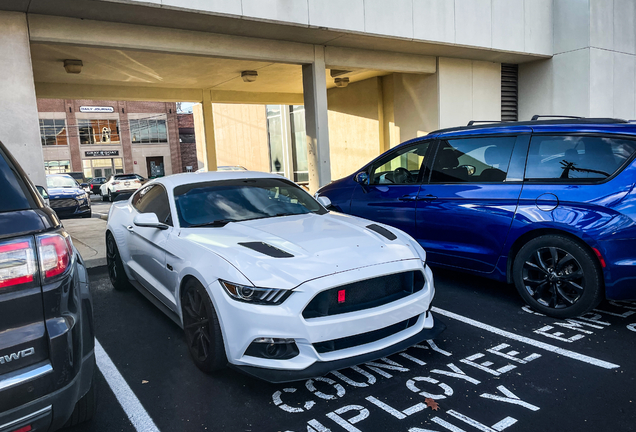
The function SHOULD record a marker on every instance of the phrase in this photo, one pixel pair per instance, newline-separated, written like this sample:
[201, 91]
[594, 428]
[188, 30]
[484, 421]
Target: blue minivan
[548, 205]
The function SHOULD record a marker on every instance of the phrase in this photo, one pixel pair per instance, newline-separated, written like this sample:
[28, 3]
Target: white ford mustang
[262, 277]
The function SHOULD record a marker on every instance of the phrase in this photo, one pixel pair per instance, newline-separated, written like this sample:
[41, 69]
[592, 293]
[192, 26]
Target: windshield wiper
[216, 223]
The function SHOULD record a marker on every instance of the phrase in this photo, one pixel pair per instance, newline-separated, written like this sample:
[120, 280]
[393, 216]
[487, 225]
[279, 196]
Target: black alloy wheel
[558, 277]
[202, 328]
[116, 272]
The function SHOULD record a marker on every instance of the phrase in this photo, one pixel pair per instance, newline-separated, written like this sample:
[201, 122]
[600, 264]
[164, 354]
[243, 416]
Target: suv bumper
[50, 412]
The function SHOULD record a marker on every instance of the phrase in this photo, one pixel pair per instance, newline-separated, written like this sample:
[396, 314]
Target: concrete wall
[19, 126]
[468, 90]
[355, 128]
[241, 136]
[511, 25]
[593, 71]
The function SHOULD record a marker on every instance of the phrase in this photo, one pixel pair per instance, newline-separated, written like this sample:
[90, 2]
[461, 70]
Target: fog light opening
[273, 348]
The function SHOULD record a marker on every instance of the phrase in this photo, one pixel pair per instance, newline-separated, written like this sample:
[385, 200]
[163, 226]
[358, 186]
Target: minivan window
[13, 197]
[401, 167]
[576, 158]
[153, 199]
[474, 160]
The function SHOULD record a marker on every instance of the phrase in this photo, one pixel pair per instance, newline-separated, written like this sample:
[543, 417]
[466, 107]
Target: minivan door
[394, 182]
[464, 212]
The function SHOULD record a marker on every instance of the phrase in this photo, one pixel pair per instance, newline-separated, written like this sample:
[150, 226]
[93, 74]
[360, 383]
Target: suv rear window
[576, 158]
[13, 197]
[126, 177]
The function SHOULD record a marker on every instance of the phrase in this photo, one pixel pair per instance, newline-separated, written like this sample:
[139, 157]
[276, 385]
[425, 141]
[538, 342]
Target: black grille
[364, 294]
[364, 338]
[66, 202]
[509, 92]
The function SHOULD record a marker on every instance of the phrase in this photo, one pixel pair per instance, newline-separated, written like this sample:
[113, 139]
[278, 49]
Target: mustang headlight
[255, 295]
[82, 196]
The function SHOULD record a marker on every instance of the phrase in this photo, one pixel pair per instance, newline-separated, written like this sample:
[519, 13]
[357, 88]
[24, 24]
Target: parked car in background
[66, 197]
[80, 179]
[548, 205]
[95, 184]
[47, 356]
[263, 277]
[120, 183]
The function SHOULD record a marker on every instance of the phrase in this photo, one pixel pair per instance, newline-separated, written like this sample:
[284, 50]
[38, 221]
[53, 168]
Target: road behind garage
[497, 367]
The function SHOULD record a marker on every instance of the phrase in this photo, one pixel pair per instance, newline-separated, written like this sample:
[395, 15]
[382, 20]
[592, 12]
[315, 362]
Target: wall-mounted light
[249, 76]
[341, 82]
[73, 66]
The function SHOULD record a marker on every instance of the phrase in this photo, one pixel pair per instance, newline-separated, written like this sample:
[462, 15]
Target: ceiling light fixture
[341, 82]
[249, 75]
[73, 66]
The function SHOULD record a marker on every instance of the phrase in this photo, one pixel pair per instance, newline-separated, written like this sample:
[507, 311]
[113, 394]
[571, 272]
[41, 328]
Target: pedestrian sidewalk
[89, 238]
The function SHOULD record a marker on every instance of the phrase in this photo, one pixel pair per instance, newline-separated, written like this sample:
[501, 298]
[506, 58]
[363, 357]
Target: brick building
[101, 137]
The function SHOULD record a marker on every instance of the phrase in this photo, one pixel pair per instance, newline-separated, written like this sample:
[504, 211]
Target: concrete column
[72, 132]
[19, 125]
[286, 133]
[316, 120]
[208, 125]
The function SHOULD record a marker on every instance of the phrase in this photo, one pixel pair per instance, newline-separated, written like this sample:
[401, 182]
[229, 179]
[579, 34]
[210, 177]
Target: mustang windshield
[217, 203]
[61, 182]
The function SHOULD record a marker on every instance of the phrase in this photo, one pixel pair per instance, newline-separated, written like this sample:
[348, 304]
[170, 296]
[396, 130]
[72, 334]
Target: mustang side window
[474, 160]
[576, 158]
[153, 199]
[401, 167]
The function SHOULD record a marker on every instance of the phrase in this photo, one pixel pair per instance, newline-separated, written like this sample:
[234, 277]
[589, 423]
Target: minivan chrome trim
[27, 418]
[25, 375]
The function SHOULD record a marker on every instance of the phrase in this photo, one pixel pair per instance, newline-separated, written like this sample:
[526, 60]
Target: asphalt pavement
[498, 366]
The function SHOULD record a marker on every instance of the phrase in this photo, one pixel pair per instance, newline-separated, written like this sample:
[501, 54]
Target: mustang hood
[64, 192]
[319, 245]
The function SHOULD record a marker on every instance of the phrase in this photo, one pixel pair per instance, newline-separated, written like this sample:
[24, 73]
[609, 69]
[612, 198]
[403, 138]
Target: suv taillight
[17, 262]
[55, 254]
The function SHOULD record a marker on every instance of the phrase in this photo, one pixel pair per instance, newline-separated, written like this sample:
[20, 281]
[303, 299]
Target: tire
[110, 196]
[202, 329]
[104, 197]
[116, 272]
[558, 277]
[84, 408]
[88, 215]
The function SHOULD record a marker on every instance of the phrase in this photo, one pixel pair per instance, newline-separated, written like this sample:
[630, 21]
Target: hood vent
[267, 249]
[382, 231]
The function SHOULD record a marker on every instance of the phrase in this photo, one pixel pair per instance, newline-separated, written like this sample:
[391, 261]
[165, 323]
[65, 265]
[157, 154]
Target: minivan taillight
[17, 262]
[55, 254]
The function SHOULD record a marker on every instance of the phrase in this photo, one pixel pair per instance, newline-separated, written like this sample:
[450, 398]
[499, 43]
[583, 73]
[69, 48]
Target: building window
[148, 131]
[98, 131]
[287, 141]
[57, 167]
[53, 132]
[102, 167]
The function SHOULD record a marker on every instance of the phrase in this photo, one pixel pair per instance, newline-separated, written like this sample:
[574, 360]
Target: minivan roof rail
[537, 117]
[472, 122]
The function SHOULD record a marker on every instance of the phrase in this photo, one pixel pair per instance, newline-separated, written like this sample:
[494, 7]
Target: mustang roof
[188, 178]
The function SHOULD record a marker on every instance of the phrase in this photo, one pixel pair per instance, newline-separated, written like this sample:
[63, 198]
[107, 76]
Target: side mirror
[326, 202]
[362, 178]
[149, 220]
[84, 185]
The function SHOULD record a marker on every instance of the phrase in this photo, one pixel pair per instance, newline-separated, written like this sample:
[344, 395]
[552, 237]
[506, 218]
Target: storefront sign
[96, 109]
[94, 153]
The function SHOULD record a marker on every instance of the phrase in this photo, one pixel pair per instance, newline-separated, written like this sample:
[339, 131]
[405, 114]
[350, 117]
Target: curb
[104, 217]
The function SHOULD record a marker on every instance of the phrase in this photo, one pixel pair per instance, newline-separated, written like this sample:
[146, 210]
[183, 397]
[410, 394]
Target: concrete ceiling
[103, 66]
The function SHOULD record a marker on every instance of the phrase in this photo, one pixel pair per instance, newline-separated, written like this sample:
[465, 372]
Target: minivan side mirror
[362, 178]
[44, 194]
[326, 202]
[149, 220]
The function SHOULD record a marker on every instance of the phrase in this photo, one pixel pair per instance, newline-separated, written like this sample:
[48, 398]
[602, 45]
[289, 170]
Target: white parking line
[127, 399]
[528, 341]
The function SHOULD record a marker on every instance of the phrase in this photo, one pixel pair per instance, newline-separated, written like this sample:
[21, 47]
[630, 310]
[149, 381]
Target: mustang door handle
[408, 198]
[130, 228]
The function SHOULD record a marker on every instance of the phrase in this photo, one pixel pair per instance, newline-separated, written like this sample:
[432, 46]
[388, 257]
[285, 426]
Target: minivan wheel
[116, 272]
[558, 277]
[202, 328]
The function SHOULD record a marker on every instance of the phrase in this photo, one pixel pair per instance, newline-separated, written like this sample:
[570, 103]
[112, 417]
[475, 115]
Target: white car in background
[120, 183]
[262, 277]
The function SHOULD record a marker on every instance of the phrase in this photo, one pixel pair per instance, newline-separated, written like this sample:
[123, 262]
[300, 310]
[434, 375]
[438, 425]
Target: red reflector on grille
[341, 296]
